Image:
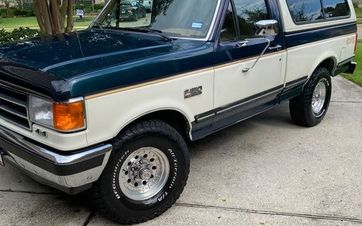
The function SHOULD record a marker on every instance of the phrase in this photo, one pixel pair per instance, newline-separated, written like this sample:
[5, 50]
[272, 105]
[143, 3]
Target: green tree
[7, 6]
[160, 7]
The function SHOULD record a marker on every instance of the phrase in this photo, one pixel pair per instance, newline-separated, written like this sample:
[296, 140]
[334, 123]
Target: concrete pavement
[264, 171]
[359, 30]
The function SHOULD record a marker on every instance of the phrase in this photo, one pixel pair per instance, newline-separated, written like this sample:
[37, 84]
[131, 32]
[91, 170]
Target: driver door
[238, 49]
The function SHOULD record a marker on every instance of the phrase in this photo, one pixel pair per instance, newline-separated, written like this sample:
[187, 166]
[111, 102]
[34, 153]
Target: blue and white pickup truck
[111, 108]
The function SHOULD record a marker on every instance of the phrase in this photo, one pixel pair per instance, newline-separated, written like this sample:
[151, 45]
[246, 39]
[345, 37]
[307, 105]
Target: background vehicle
[148, 5]
[131, 10]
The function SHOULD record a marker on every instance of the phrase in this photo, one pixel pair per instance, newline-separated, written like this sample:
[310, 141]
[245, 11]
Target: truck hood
[95, 60]
[80, 52]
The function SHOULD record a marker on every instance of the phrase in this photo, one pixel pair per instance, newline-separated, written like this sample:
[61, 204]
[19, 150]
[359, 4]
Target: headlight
[65, 117]
[41, 111]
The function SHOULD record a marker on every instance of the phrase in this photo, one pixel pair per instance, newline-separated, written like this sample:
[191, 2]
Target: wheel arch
[174, 117]
[330, 63]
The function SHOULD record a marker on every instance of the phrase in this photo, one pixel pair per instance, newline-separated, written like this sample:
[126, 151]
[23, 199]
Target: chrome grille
[13, 106]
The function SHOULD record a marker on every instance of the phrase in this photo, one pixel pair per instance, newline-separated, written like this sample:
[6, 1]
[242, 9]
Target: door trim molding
[219, 118]
[230, 114]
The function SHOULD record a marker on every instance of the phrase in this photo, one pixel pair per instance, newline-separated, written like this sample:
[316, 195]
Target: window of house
[248, 13]
[228, 31]
[336, 8]
[305, 10]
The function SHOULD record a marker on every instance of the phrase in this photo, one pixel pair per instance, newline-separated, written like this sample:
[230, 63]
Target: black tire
[135, 18]
[301, 106]
[107, 195]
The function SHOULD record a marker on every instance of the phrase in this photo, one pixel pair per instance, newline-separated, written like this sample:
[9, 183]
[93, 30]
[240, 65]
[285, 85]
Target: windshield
[176, 18]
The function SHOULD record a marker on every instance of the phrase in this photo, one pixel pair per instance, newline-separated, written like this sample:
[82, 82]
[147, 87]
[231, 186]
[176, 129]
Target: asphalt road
[264, 171]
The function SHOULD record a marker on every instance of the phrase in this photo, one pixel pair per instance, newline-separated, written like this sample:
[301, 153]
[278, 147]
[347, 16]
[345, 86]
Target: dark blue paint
[318, 34]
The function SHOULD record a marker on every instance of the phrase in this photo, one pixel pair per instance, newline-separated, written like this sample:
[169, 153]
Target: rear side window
[309, 11]
[336, 8]
[305, 10]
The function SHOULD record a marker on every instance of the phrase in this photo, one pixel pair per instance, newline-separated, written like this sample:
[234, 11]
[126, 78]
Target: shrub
[24, 12]
[17, 35]
[355, 3]
[11, 12]
[98, 7]
[6, 13]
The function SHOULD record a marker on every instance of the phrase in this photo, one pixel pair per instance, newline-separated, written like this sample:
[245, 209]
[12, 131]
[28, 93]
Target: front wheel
[146, 174]
[309, 108]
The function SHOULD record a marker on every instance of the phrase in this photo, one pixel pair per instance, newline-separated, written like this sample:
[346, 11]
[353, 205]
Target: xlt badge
[193, 92]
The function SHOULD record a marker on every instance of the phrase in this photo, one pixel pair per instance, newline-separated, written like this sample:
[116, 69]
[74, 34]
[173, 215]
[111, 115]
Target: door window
[228, 31]
[248, 13]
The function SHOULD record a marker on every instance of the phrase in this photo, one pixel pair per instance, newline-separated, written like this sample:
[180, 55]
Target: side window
[336, 8]
[228, 31]
[305, 10]
[249, 12]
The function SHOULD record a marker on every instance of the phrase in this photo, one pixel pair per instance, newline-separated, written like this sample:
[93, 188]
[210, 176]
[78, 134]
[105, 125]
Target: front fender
[108, 114]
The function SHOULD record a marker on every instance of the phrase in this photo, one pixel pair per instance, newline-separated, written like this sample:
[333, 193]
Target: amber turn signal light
[69, 116]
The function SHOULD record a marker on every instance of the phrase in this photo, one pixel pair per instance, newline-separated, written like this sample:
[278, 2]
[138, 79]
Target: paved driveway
[265, 171]
[359, 30]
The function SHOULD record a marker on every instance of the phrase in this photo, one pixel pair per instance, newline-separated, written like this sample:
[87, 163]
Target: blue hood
[80, 52]
[92, 61]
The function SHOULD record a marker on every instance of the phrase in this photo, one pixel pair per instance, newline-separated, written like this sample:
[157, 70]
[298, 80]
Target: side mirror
[267, 28]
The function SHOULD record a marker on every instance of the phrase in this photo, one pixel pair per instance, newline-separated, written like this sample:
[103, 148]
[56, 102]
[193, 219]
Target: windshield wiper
[147, 30]
[99, 25]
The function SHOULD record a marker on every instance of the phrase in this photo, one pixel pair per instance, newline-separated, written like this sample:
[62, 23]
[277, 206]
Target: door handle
[242, 44]
[277, 47]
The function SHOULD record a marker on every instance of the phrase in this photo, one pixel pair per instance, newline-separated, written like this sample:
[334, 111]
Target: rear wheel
[311, 106]
[145, 175]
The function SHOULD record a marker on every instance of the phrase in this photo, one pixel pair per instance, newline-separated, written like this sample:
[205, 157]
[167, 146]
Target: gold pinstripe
[175, 77]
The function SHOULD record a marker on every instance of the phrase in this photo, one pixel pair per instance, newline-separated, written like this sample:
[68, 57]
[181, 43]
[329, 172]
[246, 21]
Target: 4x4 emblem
[193, 92]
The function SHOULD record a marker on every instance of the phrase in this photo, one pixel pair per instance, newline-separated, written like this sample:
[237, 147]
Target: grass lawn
[357, 76]
[11, 23]
[359, 15]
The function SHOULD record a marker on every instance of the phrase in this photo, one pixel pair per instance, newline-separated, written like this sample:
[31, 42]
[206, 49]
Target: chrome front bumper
[71, 173]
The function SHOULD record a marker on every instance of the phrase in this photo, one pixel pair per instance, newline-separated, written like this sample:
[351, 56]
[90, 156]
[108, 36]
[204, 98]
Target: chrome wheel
[144, 173]
[319, 97]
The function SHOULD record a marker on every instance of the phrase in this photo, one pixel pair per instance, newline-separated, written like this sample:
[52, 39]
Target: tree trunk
[52, 14]
[69, 13]
[7, 6]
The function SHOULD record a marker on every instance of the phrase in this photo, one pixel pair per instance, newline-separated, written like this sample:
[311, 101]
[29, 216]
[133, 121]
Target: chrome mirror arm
[245, 70]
